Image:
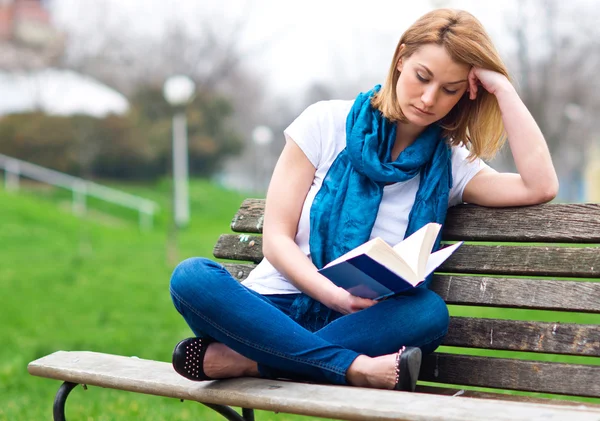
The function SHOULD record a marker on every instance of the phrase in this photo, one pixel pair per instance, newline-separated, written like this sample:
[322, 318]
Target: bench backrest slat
[540, 294]
[501, 260]
[553, 223]
[556, 223]
[516, 335]
[505, 373]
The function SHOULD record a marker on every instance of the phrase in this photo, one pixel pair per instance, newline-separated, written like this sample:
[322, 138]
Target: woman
[383, 165]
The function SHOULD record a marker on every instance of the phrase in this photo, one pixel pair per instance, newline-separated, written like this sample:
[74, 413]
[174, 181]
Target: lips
[421, 111]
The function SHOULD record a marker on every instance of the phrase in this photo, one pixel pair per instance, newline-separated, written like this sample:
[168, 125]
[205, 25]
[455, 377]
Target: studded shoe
[188, 358]
[408, 364]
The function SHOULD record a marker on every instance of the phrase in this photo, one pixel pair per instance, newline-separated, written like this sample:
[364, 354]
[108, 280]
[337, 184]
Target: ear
[400, 63]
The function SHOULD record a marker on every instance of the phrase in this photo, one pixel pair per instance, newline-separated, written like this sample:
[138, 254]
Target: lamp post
[262, 136]
[178, 91]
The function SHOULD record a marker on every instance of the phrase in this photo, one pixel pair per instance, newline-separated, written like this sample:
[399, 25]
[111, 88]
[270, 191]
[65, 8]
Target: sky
[297, 41]
[294, 42]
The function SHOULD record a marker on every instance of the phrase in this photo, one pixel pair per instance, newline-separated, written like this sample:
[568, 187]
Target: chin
[415, 117]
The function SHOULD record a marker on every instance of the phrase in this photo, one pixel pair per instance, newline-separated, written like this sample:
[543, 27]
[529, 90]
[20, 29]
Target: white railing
[15, 168]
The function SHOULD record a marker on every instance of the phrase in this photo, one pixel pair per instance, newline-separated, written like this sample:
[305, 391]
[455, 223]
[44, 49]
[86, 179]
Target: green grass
[94, 284]
[100, 284]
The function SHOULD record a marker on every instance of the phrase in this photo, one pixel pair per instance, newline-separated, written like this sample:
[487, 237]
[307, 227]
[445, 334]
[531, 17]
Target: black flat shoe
[188, 358]
[408, 364]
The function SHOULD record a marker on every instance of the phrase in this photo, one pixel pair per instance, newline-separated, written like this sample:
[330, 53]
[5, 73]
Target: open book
[376, 270]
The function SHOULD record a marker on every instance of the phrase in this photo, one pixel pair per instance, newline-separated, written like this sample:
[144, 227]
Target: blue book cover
[365, 277]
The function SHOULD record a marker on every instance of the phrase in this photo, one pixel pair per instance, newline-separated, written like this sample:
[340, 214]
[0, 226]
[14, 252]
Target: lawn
[94, 284]
[100, 284]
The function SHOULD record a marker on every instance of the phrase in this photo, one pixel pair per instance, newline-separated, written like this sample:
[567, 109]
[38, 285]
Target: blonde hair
[477, 123]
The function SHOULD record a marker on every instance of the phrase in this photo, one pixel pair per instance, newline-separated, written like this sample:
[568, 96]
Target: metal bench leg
[230, 414]
[66, 387]
[60, 399]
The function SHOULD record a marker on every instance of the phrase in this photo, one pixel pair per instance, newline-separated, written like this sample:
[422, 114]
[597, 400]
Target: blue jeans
[259, 326]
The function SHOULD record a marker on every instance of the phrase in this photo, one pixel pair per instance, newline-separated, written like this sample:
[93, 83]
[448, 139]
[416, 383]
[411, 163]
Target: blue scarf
[345, 208]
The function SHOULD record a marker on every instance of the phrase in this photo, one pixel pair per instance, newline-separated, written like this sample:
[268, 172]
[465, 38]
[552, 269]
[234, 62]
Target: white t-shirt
[320, 131]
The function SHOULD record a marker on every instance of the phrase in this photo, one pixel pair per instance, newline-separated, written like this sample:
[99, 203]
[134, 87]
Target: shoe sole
[414, 366]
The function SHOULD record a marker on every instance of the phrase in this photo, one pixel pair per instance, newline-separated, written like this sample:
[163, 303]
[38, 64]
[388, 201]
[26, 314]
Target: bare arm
[536, 180]
[291, 181]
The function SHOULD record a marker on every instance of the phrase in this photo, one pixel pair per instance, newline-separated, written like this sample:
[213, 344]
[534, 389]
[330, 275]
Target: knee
[434, 312]
[190, 275]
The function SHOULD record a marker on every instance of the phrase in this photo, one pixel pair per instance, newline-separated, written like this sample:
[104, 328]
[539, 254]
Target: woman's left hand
[492, 81]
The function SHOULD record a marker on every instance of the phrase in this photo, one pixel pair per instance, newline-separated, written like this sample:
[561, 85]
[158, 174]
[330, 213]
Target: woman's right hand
[344, 302]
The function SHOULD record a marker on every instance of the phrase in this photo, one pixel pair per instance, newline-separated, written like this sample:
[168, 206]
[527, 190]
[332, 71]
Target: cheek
[449, 102]
[406, 88]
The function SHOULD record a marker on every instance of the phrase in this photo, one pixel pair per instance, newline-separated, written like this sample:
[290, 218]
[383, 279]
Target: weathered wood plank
[564, 223]
[463, 393]
[503, 373]
[540, 294]
[239, 247]
[514, 335]
[528, 261]
[339, 402]
[501, 260]
[249, 218]
[239, 271]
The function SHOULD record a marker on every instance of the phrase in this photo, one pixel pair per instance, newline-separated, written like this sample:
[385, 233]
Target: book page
[364, 248]
[427, 246]
[380, 251]
[439, 257]
[415, 249]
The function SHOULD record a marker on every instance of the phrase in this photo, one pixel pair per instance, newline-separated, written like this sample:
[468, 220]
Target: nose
[428, 96]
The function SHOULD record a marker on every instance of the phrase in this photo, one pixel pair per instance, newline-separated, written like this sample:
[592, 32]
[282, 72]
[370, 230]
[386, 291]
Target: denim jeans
[259, 327]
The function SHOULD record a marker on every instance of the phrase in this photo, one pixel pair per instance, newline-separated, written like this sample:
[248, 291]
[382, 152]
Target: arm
[536, 181]
[291, 181]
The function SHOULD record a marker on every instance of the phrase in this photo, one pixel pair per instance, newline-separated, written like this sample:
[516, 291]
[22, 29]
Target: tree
[555, 68]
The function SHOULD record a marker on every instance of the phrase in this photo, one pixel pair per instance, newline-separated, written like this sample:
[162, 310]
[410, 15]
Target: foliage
[210, 135]
[133, 146]
[46, 140]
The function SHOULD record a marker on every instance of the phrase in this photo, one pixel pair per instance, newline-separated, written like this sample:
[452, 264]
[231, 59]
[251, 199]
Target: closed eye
[424, 80]
[421, 78]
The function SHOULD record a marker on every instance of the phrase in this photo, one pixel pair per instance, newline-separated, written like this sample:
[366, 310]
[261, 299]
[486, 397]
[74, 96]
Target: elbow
[548, 192]
[266, 248]
[270, 247]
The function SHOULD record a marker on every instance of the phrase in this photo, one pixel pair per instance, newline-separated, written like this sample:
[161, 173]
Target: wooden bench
[510, 276]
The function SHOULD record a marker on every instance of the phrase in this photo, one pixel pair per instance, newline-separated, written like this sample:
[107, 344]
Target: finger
[359, 303]
[472, 84]
[366, 303]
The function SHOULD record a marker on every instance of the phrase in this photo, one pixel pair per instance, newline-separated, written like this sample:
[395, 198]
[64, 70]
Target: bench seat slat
[339, 402]
[505, 373]
[499, 292]
[561, 223]
[502, 260]
[515, 335]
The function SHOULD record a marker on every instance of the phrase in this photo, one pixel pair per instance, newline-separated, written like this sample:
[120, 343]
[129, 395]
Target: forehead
[439, 62]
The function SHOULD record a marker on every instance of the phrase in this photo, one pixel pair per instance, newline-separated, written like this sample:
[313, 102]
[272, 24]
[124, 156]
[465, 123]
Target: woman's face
[430, 84]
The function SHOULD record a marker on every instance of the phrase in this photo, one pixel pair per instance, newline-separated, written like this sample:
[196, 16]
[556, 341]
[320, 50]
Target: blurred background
[92, 216]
